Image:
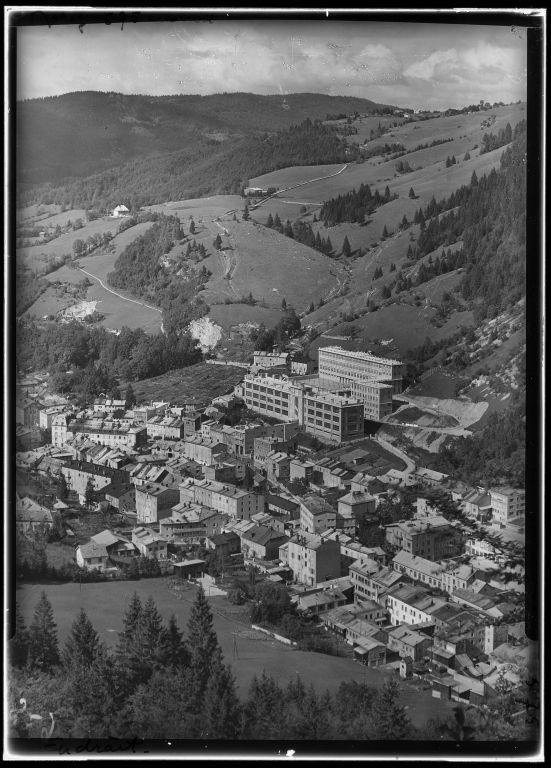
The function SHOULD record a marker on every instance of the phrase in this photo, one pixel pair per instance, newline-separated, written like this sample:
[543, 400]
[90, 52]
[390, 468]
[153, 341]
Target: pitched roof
[92, 549]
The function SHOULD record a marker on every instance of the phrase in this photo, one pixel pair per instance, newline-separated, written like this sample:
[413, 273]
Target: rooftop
[367, 356]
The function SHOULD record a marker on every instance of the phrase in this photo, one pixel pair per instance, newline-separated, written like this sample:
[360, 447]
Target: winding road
[300, 184]
[125, 298]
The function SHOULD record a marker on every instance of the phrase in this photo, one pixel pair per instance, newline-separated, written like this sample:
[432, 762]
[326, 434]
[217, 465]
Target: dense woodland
[89, 360]
[160, 683]
[489, 216]
[353, 206]
[212, 168]
[139, 270]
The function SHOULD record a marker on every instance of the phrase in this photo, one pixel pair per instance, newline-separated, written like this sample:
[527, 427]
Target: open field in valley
[105, 604]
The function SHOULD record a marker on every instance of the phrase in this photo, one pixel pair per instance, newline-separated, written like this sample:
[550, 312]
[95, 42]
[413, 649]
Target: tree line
[353, 206]
[161, 683]
[89, 360]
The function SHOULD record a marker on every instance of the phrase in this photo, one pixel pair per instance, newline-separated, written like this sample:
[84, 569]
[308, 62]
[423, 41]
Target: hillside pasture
[199, 208]
[228, 315]
[297, 174]
[198, 383]
[35, 257]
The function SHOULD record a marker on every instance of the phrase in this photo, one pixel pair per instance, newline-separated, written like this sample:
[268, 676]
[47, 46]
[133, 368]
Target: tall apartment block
[371, 379]
[332, 417]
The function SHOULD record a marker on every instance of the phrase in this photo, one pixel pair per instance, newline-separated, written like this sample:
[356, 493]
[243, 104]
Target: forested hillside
[214, 168]
[78, 134]
[489, 216]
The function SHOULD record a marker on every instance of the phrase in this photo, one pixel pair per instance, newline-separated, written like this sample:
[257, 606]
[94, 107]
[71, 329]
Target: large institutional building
[333, 417]
[371, 379]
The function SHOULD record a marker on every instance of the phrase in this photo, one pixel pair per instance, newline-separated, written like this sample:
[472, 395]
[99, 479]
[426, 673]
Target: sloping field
[227, 315]
[198, 383]
[37, 255]
[62, 218]
[407, 326]
[199, 207]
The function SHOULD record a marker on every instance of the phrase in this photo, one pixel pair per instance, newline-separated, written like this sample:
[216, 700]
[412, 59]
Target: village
[278, 481]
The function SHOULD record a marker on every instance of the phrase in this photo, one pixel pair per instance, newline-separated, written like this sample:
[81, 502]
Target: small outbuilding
[189, 569]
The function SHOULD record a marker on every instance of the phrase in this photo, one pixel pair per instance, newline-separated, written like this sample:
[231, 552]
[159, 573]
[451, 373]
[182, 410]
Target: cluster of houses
[425, 592]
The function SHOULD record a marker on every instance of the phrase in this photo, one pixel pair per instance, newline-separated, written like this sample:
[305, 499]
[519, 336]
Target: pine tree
[467, 156]
[288, 231]
[311, 308]
[62, 487]
[329, 246]
[264, 709]
[277, 221]
[412, 193]
[454, 161]
[43, 645]
[150, 646]
[283, 303]
[448, 162]
[474, 180]
[192, 227]
[82, 645]
[270, 221]
[385, 233]
[389, 718]
[346, 249]
[217, 243]
[130, 398]
[90, 493]
[130, 623]
[177, 652]
[202, 641]
[221, 707]
[387, 193]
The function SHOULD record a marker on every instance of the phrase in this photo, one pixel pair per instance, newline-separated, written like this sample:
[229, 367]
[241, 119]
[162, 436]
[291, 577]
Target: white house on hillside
[121, 210]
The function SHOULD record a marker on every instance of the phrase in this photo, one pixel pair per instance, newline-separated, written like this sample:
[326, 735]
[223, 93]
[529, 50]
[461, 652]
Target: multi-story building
[111, 432]
[371, 379]
[47, 414]
[357, 505]
[262, 542]
[166, 427]
[149, 543]
[507, 503]
[239, 440]
[205, 452]
[418, 569]
[482, 548]
[316, 515]
[154, 502]
[238, 503]
[142, 413]
[313, 560]
[408, 642]
[78, 473]
[412, 605]
[434, 538]
[105, 405]
[191, 523]
[372, 581]
[332, 417]
[263, 360]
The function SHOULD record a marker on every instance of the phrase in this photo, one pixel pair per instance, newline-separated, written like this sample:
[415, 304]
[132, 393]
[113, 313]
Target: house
[372, 581]
[300, 469]
[262, 542]
[418, 568]
[149, 543]
[204, 451]
[483, 548]
[407, 642]
[276, 465]
[154, 502]
[338, 619]
[191, 523]
[477, 504]
[109, 431]
[238, 503]
[224, 544]
[79, 473]
[311, 559]
[316, 515]
[120, 495]
[429, 477]
[370, 652]
[165, 427]
[352, 550]
[282, 506]
[408, 604]
[460, 577]
[117, 547]
[507, 504]
[120, 211]
[434, 538]
[356, 505]
[321, 601]
[29, 515]
[92, 556]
